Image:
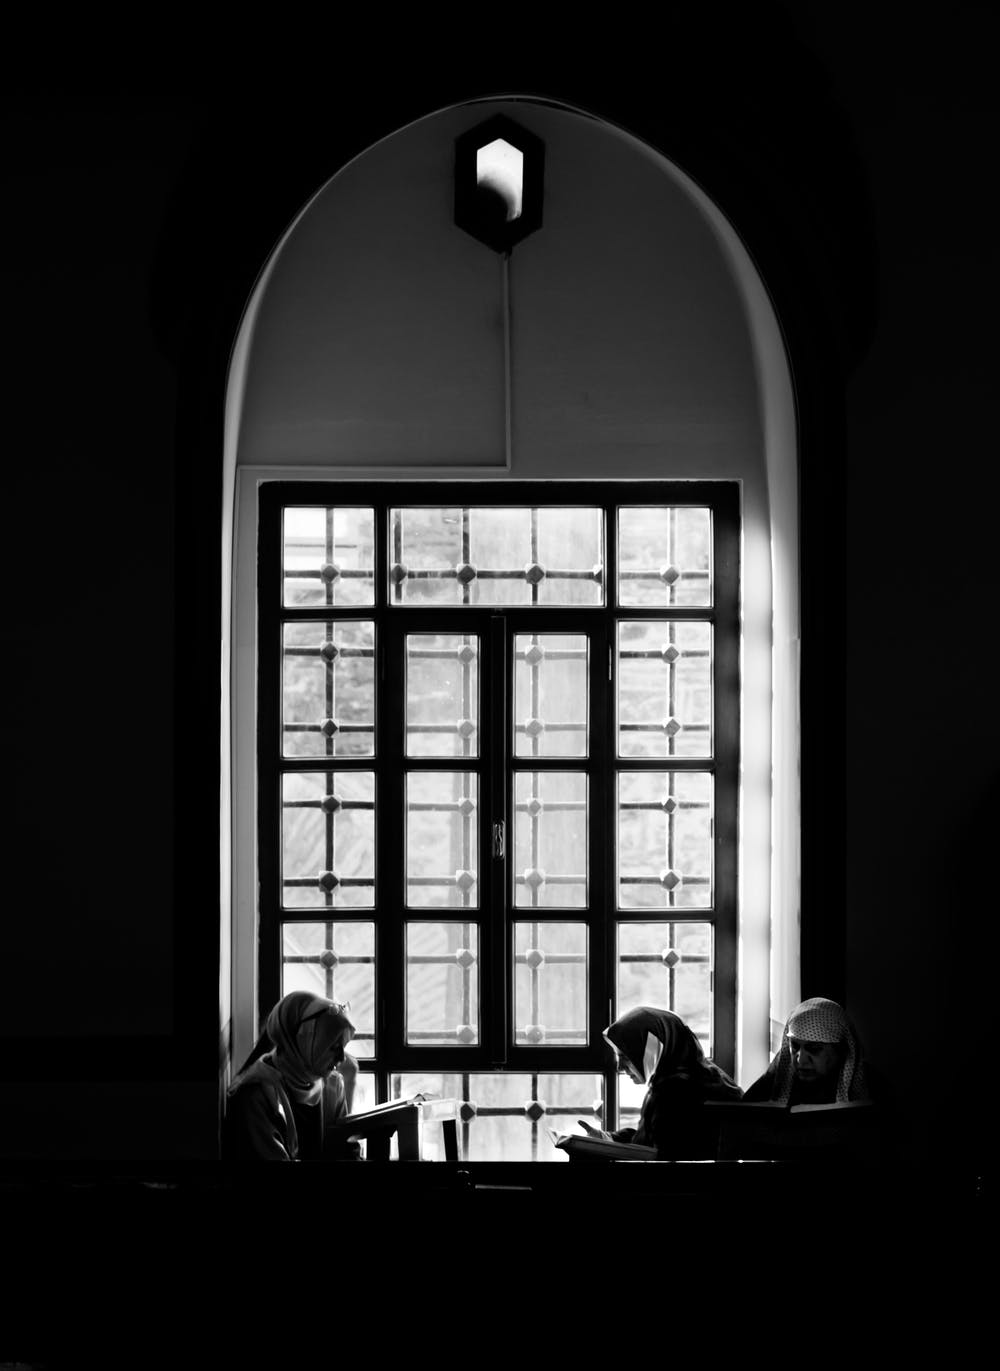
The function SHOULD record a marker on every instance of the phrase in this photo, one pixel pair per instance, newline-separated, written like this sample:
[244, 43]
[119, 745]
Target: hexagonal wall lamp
[498, 182]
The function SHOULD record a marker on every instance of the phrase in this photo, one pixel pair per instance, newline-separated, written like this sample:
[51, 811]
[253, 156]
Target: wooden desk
[405, 1118]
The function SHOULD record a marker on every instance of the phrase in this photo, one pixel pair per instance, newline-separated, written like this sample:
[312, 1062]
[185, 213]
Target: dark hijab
[673, 1054]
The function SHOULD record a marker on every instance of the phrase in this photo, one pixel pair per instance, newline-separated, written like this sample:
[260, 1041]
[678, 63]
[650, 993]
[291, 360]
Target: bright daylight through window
[497, 761]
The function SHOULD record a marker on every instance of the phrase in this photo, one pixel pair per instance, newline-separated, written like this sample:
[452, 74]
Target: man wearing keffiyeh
[820, 1060]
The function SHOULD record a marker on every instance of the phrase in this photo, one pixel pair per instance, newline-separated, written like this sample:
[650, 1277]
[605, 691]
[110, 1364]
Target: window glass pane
[668, 965]
[630, 1097]
[442, 983]
[501, 551]
[550, 983]
[550, 695]
[365, 1096]
[442, 855]
[664, 556]
[328, 689]
[328, 838]
[550, 839]
[664, 839]
[497, 556]
[488, 556]
[364, 1091]
[328, 556]
[506, 1116]
[427, 550]
[570, 550]
[664, 689]
[335, 960]
[442, 695]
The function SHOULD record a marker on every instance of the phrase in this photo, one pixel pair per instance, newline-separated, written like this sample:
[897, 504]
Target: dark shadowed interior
[853, 159]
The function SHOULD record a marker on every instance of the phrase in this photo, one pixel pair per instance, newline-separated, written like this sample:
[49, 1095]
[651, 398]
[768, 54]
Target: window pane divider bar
[496, 766]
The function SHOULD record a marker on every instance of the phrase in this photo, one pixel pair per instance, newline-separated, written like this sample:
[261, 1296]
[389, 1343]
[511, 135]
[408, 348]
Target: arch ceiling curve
[630, 336]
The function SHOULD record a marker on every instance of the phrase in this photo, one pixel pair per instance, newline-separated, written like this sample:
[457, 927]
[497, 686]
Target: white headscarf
[302, 1026]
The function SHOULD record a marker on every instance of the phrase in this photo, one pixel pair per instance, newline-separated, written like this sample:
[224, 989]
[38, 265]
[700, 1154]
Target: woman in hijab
[296, 1082]
[656, 1048]
[819, 1061]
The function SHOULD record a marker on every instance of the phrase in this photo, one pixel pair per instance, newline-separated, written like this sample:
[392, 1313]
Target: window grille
[497, 764]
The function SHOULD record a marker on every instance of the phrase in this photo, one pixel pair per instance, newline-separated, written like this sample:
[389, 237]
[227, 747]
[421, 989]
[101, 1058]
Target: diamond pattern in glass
[335, 960]
[550, 983]
[442, 695]
[664, 689]
[328, 556]
[664, 839]
[442, 984]
[442, 842]
[664, 555]
[328, 689]
[550, 695]
[328, 839]
[550, 839]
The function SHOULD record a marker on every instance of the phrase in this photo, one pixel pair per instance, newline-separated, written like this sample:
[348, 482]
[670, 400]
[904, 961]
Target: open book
[837, 1107]
[583, 1145]
[769, 1129]
[379, 1116]
[774, 1109]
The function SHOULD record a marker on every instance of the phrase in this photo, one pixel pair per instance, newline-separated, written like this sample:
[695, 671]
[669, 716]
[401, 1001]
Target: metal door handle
[498, 839]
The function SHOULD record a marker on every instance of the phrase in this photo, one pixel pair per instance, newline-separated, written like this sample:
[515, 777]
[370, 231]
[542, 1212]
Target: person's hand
[593, 1132]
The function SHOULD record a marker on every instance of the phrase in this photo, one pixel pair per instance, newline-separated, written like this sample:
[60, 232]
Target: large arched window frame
[767, 954]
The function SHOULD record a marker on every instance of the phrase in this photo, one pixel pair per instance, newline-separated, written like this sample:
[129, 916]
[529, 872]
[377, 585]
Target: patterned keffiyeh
[819, 1021]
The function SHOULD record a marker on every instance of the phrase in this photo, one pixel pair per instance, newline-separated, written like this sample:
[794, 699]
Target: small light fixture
[500, 168]
[498, 182]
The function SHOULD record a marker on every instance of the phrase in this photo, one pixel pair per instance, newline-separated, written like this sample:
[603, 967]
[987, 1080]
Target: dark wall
[853, 160]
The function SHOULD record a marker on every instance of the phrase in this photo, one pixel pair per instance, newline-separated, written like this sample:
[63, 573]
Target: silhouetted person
[297, 1081]
[656, 1048]
[820, 1060]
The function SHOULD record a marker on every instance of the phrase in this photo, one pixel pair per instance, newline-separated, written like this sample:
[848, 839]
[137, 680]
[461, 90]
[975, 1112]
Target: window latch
[498, 839]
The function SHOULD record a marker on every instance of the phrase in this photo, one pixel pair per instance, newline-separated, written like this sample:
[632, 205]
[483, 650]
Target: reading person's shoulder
[758, 1092]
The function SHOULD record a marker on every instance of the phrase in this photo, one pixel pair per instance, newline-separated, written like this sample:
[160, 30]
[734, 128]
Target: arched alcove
[631, 337]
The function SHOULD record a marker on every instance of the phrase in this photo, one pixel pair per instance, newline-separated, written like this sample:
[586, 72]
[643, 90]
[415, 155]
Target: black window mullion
[605, 1011]
[390, 869]
[725, 752]
[497, 767]
[600, 842]
[498, 988]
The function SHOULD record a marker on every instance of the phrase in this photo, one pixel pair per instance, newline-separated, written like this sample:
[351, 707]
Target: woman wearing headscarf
[297, 1081]
[656, 1048]
[819, 1061]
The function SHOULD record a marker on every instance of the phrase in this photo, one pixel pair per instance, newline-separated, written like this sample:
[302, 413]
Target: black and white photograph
[502, 729]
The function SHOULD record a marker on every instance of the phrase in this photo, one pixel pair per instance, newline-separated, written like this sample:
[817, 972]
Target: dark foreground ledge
[192, 1259]
[441, 1221]
[218, 1187]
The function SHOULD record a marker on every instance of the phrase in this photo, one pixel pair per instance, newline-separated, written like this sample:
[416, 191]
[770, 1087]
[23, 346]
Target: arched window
[561, 462]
